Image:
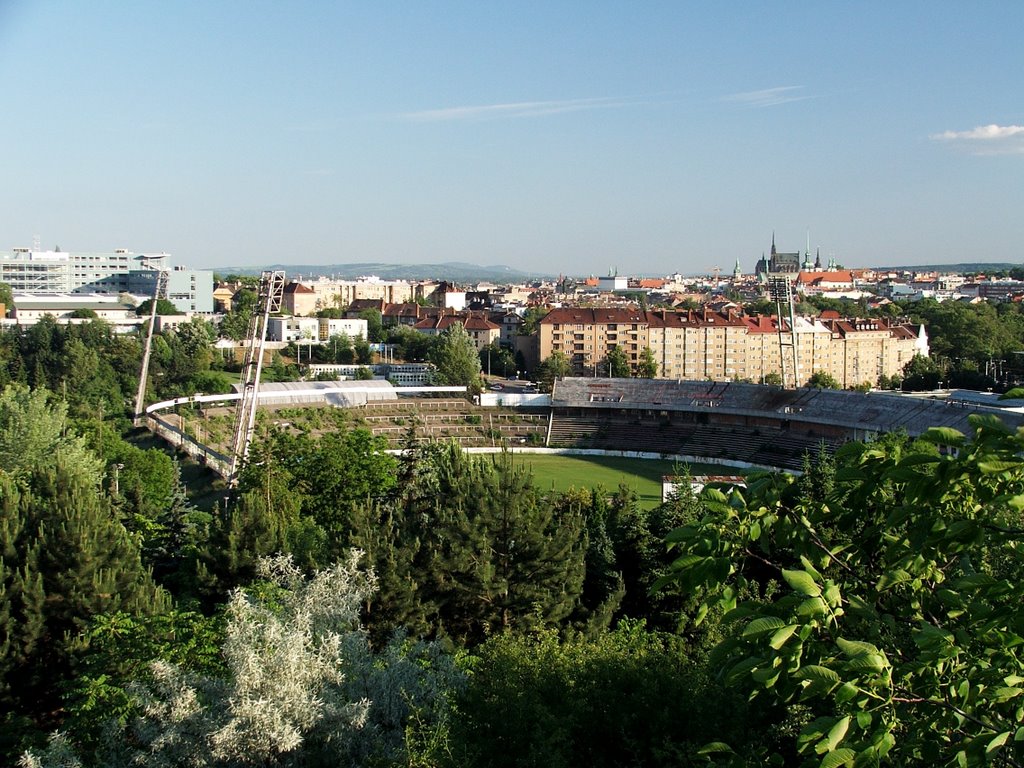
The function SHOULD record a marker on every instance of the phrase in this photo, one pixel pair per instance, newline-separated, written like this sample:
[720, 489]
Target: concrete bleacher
[865, 412]
[739, 422]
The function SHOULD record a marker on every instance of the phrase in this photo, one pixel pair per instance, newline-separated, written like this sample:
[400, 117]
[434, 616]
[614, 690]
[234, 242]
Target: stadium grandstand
[732, 423]
[739, 422]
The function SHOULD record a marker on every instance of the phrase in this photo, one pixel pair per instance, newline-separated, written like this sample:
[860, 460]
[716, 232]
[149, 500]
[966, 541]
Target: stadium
[721, 422]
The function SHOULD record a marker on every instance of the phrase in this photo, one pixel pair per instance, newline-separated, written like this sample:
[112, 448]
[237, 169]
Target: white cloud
[768, 97]
[511, 110]
[987, 139]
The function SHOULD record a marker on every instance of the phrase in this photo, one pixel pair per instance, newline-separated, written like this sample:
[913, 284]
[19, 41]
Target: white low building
[314, 330]
[29, 309]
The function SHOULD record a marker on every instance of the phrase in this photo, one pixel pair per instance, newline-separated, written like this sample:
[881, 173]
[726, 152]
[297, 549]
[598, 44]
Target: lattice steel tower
[271, 295]
[780, 290]
[159, 292]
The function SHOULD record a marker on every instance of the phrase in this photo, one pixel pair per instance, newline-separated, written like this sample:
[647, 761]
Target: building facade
[729, 346]
[109, 273]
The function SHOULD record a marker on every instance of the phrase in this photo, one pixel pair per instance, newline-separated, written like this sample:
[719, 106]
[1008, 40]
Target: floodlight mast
[271, 295]
[780, 290]
[154, 262]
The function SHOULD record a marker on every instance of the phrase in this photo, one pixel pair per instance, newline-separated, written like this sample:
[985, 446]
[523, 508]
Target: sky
[551, 136]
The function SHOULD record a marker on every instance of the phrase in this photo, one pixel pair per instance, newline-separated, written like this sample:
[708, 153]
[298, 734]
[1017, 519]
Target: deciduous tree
[892, 605]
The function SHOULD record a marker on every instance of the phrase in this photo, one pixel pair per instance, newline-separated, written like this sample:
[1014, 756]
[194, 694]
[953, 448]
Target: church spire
[773, 242]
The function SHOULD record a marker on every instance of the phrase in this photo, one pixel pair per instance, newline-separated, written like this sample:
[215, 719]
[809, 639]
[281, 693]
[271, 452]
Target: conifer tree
[497, 554]
[66, 558]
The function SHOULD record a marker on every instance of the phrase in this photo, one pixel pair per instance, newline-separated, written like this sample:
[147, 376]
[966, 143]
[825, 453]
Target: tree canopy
[887, 604]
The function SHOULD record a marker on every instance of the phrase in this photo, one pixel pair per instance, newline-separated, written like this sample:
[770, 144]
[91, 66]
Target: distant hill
[455, 271]
[961, 268]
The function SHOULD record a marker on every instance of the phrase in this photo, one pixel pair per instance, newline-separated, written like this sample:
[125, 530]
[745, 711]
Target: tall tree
[496, 554]
[66, 559]
[456, 358]
[554, 367]
[647, 368]
[617, 364]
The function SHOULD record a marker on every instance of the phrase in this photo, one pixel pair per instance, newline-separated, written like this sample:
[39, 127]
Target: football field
[642, 475]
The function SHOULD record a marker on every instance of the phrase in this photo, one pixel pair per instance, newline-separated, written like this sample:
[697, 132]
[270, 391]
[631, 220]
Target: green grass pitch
[642, 475]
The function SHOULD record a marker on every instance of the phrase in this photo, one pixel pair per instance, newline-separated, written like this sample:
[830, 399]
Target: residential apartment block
[727, 346]
[323, 293]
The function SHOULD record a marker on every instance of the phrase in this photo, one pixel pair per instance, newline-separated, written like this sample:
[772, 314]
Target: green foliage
[33, 433]
[921, 374]
[117, 650]
[630, 697]
[554, 367]
[410, 345]
[471, 548]
[823, 380]
[617, 364]
[66, 558]
[497, 360]
[531, 320]
[456, 358]
[301, 686]
[897, 618]
[374, 325]
[647, 368]
[163, 307]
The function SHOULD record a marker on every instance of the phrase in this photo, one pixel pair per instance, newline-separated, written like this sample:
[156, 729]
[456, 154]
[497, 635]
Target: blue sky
[549, 136]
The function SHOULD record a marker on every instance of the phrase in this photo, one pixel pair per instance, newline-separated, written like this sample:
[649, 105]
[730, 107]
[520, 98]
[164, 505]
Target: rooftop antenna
[35, 243]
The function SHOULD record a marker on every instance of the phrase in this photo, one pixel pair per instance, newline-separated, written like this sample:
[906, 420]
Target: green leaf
[763, 626]
[837, 734]
[782, 635]
[997, 742]
[715, 748]
[811, 608]
[854, 648]
[755, 531]
[846, 692]
[840, 757]
[943, 436]
[740, 671]
[1016, 502]
[802, 582]
[993, 467]
[974, 581]
[817, 674]
[891, 579]
[739, 612]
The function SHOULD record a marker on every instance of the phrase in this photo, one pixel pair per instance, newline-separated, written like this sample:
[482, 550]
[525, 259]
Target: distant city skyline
[655, 138]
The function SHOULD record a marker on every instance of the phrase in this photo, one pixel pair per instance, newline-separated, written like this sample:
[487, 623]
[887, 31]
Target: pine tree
[603, 588]
[496, 554]
[66, 559]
